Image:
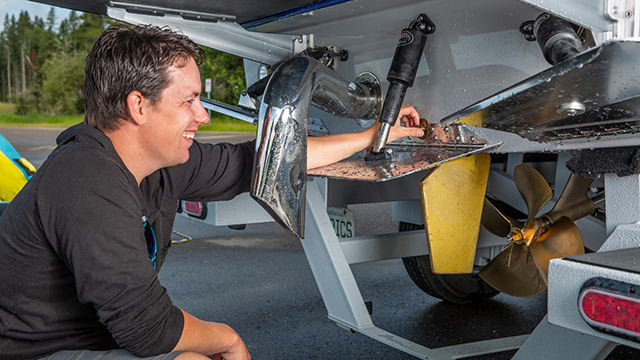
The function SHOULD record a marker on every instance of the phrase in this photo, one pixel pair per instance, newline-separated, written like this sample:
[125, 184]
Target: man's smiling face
[175, 117]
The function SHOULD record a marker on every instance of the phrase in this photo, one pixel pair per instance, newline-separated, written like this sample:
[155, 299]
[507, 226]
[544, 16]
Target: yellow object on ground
[452, 199]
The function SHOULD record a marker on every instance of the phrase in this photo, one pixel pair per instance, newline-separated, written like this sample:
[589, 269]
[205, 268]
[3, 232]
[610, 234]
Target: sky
[13, 7]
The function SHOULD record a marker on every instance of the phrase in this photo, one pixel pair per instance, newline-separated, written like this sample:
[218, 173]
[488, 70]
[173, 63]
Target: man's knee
[192, 356]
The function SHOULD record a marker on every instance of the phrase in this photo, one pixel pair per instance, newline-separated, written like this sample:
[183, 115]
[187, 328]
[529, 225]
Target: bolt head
[572, 108]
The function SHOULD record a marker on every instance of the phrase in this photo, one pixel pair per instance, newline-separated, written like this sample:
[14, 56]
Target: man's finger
[411, 121]
[411, 131]
[409, 115]
[417, 132]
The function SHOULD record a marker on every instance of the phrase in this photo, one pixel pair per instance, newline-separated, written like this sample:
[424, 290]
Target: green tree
[42, 67]
[226, 73]
[10, 50]
[62, 88]
[53, 85]
[51, 19]
[5, 61]
[89, 29]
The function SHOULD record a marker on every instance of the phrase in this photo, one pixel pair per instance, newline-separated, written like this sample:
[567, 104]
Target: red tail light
[611, 306]
[195, 208]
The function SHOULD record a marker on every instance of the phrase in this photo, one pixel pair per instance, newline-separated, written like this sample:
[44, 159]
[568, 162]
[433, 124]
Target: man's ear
[137, 107]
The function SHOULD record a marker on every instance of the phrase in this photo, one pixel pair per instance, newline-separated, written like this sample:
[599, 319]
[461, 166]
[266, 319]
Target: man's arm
[218, 339]
[325, 150]
[209, 338]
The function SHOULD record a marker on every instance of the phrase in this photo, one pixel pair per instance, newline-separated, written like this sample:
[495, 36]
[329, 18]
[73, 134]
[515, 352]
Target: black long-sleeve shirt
[74, 268]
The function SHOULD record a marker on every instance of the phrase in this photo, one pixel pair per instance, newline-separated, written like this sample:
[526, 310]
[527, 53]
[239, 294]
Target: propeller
[522, 268]
[496, 222]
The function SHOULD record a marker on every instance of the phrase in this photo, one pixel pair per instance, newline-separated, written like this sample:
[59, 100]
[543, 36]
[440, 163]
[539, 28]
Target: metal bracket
[219, 32]
[343, 300]
[607, 19]
[230, 110]
[302, 43]
[625, 15]
[589, 14]
[316, 127]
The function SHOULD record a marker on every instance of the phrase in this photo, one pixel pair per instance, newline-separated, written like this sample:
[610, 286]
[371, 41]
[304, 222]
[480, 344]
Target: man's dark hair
[125, 59]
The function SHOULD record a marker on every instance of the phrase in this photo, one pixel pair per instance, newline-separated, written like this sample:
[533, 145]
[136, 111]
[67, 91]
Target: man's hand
[408, 116]
[212, 339]
[237, 350]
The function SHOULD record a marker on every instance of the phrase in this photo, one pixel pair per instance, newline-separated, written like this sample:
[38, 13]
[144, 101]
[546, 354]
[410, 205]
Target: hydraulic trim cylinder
[402, 73]
[557, 38]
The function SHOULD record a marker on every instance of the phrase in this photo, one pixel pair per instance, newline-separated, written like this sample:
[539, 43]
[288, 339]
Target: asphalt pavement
[258, 281]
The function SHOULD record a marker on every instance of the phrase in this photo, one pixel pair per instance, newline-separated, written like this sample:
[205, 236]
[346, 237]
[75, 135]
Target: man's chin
[179, 161]
[184, 159]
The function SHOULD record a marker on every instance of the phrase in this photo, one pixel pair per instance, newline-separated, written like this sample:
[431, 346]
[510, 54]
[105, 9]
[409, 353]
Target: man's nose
[202, 116]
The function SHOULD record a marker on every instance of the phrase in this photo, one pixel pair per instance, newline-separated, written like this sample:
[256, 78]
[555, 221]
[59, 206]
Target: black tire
[457, 289]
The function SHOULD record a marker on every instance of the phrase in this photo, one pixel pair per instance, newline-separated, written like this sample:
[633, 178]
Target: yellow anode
[452, 199]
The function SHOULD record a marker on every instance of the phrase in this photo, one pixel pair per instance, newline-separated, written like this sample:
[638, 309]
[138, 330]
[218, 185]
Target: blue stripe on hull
[293, 12]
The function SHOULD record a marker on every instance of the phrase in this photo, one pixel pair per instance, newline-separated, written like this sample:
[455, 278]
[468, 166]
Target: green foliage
[63, 85]
[227, 81]
[88, 31]
[226, 73]
[26, 103]
[42, 70]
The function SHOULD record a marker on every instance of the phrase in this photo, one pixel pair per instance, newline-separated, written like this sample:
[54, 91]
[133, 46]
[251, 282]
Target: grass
[224, 123]
[220, 123]
[7, 108]
[39, 120]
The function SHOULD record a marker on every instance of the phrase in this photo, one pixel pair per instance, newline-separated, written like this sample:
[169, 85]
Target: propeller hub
[515, 236]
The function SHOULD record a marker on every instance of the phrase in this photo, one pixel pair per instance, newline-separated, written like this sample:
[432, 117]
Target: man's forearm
[209, 338]
[326, 150]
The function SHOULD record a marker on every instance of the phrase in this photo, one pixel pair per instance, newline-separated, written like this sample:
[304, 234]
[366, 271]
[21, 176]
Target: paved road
[258, 281]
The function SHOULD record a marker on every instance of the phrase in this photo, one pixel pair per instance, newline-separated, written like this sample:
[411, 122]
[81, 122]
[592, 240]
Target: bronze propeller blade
[574, 202]
[514, 272]
[496, 222]
[533, 187]
[561, 239]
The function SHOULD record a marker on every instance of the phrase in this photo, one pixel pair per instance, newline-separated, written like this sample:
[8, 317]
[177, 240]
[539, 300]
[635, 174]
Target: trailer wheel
[457, 289]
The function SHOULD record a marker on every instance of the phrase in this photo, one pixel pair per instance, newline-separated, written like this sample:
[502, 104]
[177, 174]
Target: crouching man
[84, 240]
